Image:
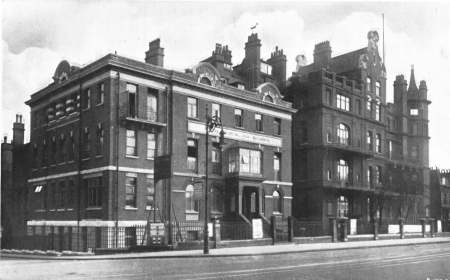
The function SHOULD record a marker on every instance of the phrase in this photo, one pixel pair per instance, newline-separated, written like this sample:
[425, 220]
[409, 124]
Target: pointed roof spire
[412, 81]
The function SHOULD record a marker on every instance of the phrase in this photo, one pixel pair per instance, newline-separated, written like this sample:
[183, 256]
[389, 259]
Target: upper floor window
[87, 99]
[100, 138]
[86, 142]
[414, 151]
[343, 102]
[358, 106]
[132, 100]
[100, 93]
[368, 84]
[369, 104]
[94, 192]
[192, 154]
[390, 149]
[377, 112]
[245, 161]
[343, 132]
[277, 126]
[238, 118]
[215, 110]
[378, 142]
[151, 145]
[377, 88]
[369, 140]
[414, 112]
[342, 170]
[62, 148]
[370, 176]
[258, 122]
[377, 175]
[192, 107]
[131, 143]
[277, 166]
[152, 105]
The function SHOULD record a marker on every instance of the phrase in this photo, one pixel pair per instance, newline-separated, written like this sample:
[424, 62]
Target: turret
[423, 90]
[322, 54]
[400, 94]
[412, 82]
[252, 61]
[278, 62]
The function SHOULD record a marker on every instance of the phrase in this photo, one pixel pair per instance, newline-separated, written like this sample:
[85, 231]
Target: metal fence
[307, 228]
[235, 230]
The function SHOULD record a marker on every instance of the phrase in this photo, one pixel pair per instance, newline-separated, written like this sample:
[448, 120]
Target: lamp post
[211, 123]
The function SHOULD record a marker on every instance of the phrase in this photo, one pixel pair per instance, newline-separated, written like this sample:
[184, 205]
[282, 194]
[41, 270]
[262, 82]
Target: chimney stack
[18, 131]
[278, 61]
[155, 54]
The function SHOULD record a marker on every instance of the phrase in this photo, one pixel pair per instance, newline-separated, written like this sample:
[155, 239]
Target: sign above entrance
[239, 135]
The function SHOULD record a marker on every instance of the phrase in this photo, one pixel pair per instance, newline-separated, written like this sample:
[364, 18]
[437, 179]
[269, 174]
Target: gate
[281, 231]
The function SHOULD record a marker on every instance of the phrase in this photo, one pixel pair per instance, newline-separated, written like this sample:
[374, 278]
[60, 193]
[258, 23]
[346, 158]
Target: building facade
[355, 156]
[440, 197]
[96, 132]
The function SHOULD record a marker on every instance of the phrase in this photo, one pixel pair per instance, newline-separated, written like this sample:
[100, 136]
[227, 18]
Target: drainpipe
[80, 130]
[117, 159]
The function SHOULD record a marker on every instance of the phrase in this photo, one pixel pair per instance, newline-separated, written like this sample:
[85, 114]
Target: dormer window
[240, 86]
[266, 68]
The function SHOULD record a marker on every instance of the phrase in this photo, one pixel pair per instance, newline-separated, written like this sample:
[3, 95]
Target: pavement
[246, 251]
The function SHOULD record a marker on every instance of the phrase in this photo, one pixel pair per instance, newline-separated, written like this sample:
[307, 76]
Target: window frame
[100, 93]
[259, 122]
[152, 105]
[129, 145]
[132, 108]
[238, 118]
[151, 149]
[343, 102]
[192, 107]
[343, 134]
[131, 190]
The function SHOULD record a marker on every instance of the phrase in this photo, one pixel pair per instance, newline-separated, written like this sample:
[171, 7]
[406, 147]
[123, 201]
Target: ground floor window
[277, 201]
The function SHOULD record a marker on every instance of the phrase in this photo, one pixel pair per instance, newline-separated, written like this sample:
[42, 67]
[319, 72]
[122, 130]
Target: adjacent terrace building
[97, 130]
[440, 196]
[354, 155]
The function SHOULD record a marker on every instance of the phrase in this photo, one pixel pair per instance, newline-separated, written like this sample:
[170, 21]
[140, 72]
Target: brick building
[355, 156]
[440, 196]
[97, 130]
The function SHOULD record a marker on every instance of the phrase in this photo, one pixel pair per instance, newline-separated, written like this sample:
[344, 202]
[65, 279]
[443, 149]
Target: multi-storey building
[440, 196]
[97, 130]
[354, 155]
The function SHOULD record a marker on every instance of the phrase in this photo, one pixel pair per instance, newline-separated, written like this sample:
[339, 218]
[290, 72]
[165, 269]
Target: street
[428, 261]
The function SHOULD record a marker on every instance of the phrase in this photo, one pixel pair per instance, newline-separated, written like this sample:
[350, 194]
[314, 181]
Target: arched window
[206, 81]
[342, 169]
[342, 206]
[191, 202]
[377, 88]
[343, 132]
[277, 200]
[368, 84]
[268, 98]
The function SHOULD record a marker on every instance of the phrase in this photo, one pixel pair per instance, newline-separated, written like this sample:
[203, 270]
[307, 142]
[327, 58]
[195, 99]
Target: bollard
[400, 225]
[273, 228]
[345, 224]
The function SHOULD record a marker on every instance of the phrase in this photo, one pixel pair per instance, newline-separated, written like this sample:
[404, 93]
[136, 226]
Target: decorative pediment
[207, 74]
[268, 92]
[62, 72]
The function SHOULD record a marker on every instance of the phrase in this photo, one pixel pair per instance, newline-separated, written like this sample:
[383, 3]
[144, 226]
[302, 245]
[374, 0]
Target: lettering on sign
[238, 135]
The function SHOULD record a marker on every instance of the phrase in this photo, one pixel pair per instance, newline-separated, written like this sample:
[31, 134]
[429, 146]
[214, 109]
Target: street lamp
[211, 123]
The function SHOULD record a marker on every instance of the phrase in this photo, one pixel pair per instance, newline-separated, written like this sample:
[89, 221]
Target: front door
[250, 202]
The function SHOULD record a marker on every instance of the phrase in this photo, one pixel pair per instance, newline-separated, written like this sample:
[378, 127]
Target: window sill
[69, 209]
[86, 109]
[151, 208]
[60, 210]
[191, 212]
[40, 210]
[276, 213]
[130, 208]
[61, 163]
[99, 104]
[130, 156]
[98, 156]
[193, 118]
[52, 210]
[84, 159]
[70, 162]
[150, 158]
[93, 208]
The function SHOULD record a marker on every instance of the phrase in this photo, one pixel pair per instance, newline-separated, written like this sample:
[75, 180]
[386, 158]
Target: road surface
[428, 261]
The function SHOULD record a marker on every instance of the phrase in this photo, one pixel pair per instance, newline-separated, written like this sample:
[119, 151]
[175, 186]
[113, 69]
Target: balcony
[143, 123]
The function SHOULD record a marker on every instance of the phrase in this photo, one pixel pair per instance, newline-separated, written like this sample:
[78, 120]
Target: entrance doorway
[250, 202]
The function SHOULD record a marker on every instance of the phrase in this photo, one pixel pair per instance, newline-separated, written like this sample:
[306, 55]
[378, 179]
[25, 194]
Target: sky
[37, 35]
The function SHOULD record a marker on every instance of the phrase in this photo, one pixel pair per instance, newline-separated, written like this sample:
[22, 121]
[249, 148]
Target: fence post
[274, 229]
[375, 230]
[333, 229]
[290, 229]
[400, 225]
[432, 228]
[422, 222]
